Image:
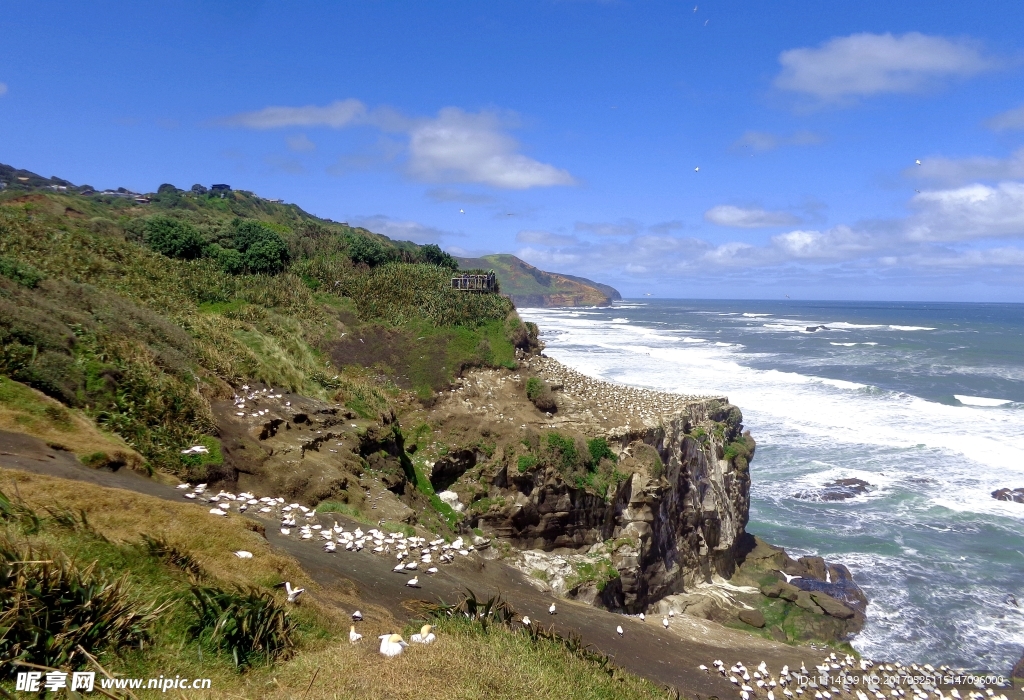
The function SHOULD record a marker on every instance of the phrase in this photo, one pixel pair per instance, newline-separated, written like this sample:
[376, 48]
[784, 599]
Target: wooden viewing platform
[475, 283]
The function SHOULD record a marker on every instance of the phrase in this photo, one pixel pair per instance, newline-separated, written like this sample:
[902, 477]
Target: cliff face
[665, 527]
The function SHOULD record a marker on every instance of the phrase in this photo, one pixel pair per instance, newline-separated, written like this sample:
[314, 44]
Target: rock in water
[838, 490]
[1014, 495]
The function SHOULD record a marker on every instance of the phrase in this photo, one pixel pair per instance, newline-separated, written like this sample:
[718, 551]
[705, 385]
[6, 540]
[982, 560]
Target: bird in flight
[462, 211]
[694, 8]
[917, 162]
[697, 169]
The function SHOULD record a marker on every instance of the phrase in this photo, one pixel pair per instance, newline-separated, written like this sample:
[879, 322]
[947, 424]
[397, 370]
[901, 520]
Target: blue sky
[568, 132]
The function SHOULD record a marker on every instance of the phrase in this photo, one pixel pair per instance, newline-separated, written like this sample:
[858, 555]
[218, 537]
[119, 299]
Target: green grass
[141, 341]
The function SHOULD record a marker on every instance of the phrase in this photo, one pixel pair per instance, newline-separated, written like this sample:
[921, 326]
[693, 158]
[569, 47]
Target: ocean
[871, 394]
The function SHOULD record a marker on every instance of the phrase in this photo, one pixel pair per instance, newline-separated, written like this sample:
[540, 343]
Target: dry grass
[122, 516]
[25, 410]
[463, 663]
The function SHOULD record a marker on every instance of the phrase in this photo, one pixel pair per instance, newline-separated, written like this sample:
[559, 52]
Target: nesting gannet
[551, 610]
[425, 635]
[353, 636]
[357, 616]
[526, 620]
[217, 511]
[414, 582]
[664, 622]
[618, 629]
[242, 554]
[293, 593]
[392, 644]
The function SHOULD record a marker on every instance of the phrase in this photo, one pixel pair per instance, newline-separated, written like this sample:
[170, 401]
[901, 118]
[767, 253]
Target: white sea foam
[980, 401]
[845, 345]
[932, 466]
[756, 315]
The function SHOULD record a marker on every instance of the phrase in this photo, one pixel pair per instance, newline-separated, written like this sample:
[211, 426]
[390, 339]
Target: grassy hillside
[139, 314]
[530, 286]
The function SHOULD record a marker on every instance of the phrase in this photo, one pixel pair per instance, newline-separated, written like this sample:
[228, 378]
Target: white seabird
[425, 636]
[618, 629]
[414, 582]
[242, 554]
[789, 579]
[353, 636]
[392, 644]
[551, 610]
[293, 593]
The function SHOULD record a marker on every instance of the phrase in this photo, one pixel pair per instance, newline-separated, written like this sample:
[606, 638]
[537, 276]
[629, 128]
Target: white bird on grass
[353, 636]
[526, 620]
[293, 593]
[432, 570]
[425, 636]
[217, 511]
[357, 616]
[242, 554]
[414, 582]
[392, 644]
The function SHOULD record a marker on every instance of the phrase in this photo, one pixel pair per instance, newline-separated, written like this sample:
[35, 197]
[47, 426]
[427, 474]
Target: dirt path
[669, 657]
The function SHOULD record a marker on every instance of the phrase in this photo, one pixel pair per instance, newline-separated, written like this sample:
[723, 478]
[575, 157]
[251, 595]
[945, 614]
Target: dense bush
[433, 255]
[249, 623]
[369, 251]
[262, 249]
[25, 275]
[51, 606]
[539, 393]
[173, 238]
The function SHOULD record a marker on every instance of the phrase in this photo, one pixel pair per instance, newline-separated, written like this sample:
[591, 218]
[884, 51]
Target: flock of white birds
[412, 552]
[838, 677]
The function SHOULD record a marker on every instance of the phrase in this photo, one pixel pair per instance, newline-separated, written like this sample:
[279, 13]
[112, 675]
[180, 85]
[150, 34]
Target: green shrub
[370, 251]
[433, 255]
[598, 448]
[25, 275]
[534, 387]
[526, 462]
[173, 238]
[262, 250]
[51, 606]
[566, 454]
[249, 623]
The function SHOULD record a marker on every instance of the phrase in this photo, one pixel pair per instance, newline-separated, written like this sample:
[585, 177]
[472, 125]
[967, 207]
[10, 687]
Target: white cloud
[739, 217]
[300, 143]
[762, 141]
[966, 213]
[869, 64]
[955, 171]
[1005, 121]
[838, 243]
[545, 238]
[402, 230]
[3, 89]
[626, 227]
[338, 114]
[463, 147]
[454, 146]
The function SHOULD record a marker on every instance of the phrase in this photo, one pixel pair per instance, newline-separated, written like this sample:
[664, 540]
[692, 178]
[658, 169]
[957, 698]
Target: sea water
[835, 390]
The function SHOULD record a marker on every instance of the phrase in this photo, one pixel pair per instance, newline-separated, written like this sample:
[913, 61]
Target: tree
[263, 250]
[368, 250]
[433, 254]
[173, 238]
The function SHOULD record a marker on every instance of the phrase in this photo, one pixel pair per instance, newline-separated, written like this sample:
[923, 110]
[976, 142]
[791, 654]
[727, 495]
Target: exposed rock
[1018, 669]
[780, 589]
[679, 528]
[831, 606]
[447, 470]
[804, 600]
[838, 490]
[1014, 495]
[812, 329]
[754, 618]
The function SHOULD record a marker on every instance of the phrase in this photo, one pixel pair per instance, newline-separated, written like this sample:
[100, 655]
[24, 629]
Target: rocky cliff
[674, 520]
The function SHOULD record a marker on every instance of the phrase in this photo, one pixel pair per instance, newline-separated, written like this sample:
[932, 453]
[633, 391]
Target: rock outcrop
[674, 521]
